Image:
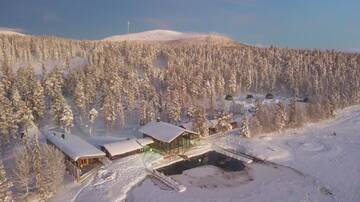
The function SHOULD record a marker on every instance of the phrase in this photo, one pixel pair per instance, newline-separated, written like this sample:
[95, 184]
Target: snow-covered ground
[316, 163]
[111, 183]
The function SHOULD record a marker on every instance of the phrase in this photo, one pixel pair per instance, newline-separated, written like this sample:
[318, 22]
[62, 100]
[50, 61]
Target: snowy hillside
[164, 35]
[9, 32]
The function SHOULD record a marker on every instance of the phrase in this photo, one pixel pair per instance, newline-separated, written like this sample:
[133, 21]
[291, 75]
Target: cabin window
[83, 161]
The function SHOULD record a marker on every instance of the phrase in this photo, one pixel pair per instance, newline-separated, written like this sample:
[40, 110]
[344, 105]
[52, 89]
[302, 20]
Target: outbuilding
[81, 158]
[125, 148]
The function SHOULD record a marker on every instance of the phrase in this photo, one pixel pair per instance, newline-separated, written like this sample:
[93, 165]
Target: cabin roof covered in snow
[73, 146]
[123, 147]
[162, 131]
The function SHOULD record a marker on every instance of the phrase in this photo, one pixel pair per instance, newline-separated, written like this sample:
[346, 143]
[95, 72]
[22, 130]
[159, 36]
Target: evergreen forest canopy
[166, 80]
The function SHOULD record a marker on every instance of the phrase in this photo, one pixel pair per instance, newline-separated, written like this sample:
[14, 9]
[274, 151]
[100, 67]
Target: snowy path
[109, 184]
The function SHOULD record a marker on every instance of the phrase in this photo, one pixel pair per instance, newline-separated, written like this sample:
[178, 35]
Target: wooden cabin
[125, 148]
[169, 138]
[81, 158]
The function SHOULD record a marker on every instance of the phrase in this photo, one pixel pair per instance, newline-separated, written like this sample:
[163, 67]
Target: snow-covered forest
[42, 78]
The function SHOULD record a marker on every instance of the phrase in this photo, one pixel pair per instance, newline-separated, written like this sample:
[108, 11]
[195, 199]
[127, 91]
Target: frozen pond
[213, 158]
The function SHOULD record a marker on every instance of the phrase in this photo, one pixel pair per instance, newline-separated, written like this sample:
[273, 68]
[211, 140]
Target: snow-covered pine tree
[150, 112]
[54, 82]
[244, 129]
[24, 116]
[200, 122]
[173, 107]
[37, 101]
[37, 167]
[295, 115]
[92, 117]
[7, 117]
[22, 167]
[80, 99]
[142, 111]
[223, 122]
[7, 77]
[255, 126]
[258, 104]
[25, 121]
[120, 114]
[5, 185]
[67, 119]
[280, 116]
[57, 104]
[231, 83]
[53, 167]
[109, 110]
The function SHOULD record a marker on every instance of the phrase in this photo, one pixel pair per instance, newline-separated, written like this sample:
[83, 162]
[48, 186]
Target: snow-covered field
[320, 163]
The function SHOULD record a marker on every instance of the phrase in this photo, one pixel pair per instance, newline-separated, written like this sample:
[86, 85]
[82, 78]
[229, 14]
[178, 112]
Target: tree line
[172, 82]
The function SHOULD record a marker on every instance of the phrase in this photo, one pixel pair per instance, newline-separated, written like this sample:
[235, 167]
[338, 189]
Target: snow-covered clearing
[323, 157]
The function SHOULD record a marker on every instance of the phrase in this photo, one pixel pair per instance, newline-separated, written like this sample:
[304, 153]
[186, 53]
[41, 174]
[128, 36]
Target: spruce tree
[244, 129]
[5, 185]
[200, 122]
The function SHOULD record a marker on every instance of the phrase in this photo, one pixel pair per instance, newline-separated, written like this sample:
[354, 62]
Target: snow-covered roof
[144, 141]
[123, 147]
[162, 131]
[73, 146]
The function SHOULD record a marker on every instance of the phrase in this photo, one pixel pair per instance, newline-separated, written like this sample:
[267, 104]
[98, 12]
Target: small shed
[249, 96]
[167, 137]
[125, 148]
[81, 158]
[269, 96]
[229, 97]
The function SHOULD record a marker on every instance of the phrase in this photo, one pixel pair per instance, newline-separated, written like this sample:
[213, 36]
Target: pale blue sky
[288, 23]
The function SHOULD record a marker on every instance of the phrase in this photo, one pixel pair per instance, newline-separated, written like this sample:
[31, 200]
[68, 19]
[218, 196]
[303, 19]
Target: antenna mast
[128, 26]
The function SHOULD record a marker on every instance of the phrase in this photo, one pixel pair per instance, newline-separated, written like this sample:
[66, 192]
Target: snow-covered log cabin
[169, 138]
[81, 158]
[126, 148]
